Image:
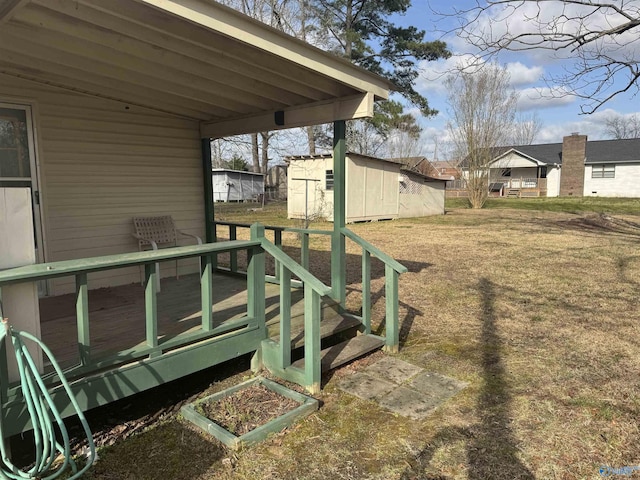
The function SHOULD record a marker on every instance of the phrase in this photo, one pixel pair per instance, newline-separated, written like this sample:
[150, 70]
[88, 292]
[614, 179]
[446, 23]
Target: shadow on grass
[491, 447]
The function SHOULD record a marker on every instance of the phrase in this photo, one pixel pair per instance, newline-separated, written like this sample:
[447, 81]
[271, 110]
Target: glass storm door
[18, 162]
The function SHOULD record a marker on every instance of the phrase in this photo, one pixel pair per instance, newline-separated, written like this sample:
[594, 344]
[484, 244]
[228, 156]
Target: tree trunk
[311, 137]
[265, 136]
[255, 153]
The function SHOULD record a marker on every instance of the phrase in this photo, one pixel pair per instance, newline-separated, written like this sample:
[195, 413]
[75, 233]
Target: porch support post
[210, 230]
[256, 302]
[338, 251]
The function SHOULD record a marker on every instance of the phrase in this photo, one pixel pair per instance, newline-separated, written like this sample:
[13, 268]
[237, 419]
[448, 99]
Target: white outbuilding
[237, 185]
[376, 189]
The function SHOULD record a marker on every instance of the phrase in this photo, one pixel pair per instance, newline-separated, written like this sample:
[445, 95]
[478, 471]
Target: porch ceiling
[191, 58]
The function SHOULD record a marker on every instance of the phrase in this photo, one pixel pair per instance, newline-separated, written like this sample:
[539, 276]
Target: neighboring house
[575, 167]
[376, 189]
[276, 183]
[237, 185]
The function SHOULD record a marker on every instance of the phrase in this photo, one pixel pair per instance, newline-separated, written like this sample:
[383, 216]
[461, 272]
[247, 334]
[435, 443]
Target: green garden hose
[44, 417]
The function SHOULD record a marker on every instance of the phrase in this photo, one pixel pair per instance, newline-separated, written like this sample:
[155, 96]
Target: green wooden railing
[314, 290]
[154, 345]
[392, 270]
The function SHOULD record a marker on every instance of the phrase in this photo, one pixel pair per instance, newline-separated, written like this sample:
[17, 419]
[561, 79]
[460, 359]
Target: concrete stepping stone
[365, 386]
[393, 369]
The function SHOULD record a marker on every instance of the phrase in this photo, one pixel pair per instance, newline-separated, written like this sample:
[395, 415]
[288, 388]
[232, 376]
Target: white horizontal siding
[625, 184]
[103, 162]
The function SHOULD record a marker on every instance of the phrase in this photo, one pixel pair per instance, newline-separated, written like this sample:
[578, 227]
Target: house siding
[553, 181]
[625, 183]
[102, 162]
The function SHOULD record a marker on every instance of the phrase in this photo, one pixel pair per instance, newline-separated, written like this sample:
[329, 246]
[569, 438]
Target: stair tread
[346, 351]
[328, 326]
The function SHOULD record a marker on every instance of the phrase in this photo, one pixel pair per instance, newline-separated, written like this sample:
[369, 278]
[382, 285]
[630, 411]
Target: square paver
[409, 403]
[393, 369]
[366, 386]
[436, 386]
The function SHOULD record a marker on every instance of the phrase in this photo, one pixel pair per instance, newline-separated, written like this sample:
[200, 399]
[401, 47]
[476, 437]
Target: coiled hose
[44, 416]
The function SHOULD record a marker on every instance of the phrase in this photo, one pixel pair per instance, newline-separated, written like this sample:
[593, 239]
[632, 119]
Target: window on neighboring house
[506, 172]
[329, 180]
[603, 171]
[543, 172]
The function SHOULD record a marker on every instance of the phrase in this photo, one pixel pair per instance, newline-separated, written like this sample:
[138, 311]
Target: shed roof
[228, 170]
[191, 58]
[348, 154]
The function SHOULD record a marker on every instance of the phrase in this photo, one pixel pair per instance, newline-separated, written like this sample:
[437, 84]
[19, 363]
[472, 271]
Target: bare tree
[525, 129]
[596, 40]
[622, 126]
[482, 108]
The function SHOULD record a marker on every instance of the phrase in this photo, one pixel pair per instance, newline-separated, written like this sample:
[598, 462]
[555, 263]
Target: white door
[18, 163]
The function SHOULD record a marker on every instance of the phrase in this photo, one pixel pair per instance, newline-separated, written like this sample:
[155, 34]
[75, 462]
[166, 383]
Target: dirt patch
[246, 409]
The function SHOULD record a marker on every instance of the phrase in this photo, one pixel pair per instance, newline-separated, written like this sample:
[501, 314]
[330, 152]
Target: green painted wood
[312, 339]
[379, 254]
[206, 293]
[151, 304]
[255, 280]
[277, 241]
[4, 366]
[343, 352]
[207, 177]
[106, 387]
[304, 250]
[391, 309]
[271, 359]
[366, 290]
[233, 256]
[295, 268]
[82, 318]
[227, 438]
[338, 249]
[72, 267]
[285, 317]
[308, 231]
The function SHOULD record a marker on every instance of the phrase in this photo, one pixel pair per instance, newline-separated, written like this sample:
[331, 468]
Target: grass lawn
[538, 310]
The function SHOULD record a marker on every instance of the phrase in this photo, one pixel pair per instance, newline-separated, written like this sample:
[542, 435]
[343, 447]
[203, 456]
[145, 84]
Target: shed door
[18, 161]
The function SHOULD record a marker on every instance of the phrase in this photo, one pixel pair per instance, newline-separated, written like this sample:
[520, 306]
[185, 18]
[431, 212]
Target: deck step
[346, 351]
[513, 193]
[328, 327]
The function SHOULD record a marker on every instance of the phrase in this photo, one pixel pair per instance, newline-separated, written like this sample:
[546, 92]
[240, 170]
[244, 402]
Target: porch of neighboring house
[510, 187]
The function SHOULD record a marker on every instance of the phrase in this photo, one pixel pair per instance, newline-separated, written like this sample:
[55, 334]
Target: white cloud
[521, 75]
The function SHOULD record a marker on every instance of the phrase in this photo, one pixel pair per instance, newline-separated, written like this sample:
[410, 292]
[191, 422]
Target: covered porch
[118, 117]
[514, 174]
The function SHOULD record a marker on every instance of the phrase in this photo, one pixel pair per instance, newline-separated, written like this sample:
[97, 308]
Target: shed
[236, 185]
[376, 189]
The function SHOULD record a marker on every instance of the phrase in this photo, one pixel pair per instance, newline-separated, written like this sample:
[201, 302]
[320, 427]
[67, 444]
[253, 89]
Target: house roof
[421, 175]
[195, 59]
[598, 151]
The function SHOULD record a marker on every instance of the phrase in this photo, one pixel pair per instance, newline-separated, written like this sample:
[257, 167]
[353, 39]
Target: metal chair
[158, 232]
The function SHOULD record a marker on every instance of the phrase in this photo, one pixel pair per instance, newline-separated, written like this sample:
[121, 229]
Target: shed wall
[101, 162]
[372, 189]
[420, 197]
[306, 186]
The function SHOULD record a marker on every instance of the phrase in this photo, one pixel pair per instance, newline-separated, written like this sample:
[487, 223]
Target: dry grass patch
[537, 311]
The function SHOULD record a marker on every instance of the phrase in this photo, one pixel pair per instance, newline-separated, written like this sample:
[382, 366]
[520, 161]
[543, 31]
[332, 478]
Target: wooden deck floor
[117, 314]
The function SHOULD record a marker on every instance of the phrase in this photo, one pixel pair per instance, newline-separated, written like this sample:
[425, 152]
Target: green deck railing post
[338, 249]
[82, 318]
[4, 364]
[391, 307]
[277, 241]
[304, 250]
[285, 316]
[366, 290]
[151, 304]
[312, 364]
[206, 293]
[256, 279]
[233, 256]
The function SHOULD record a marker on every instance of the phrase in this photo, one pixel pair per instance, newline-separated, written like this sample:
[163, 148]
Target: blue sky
[560, 116]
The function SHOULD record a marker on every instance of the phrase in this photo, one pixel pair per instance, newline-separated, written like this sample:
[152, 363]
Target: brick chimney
[574, 152]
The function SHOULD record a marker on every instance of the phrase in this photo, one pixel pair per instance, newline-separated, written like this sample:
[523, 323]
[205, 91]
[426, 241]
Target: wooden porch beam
[232, 24]
[346, 108]
[9, 8]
